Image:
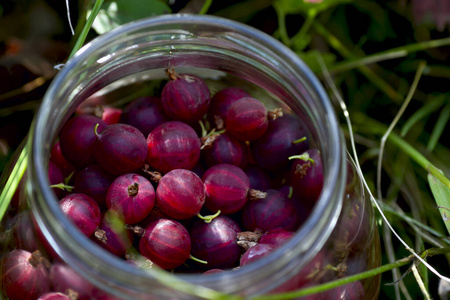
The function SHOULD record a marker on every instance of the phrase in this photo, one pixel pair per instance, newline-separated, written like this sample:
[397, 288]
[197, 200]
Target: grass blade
[13, 182]
[441, 195]
[439, 128]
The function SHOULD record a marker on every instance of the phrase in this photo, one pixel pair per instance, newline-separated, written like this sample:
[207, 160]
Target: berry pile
[188, 180]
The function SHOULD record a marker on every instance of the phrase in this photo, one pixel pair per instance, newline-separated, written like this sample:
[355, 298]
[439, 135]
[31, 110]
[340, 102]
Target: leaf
[310, 58]
[441, 195]
[306, 6]
[119, 12]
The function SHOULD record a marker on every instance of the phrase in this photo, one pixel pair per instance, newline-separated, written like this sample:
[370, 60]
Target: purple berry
[185, 97]
[113, 238]
[226, 187]
[246, 119]
[24, 275]
[77, 139]
[93, 181]
[82, 210]
[180, 194]
[23, 232]
[120, 149]
[282, 139]
[63, 279]
[132, 196]
[276, 237]
[215, 242]
[55, 177]
[274, 211]
[144, 113]
[173, 145]
[306, 177]
[226, 150]
[220, 103]
[256, 253]
[259, 178]
[54, 296]
[166, 243]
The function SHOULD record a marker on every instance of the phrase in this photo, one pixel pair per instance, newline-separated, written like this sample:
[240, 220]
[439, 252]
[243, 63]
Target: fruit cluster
[188, 180]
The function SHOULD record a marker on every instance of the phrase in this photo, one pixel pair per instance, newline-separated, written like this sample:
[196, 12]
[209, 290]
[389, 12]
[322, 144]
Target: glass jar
[339, 235]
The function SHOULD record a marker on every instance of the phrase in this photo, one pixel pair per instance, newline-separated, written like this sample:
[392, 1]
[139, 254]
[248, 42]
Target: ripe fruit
[220, 102]
[215, 242]
[54, 296]
[77, 138]
[246, 119]
[226, 150]
[131, 196]
[63, 278]
[24, 275]
[93, 181]
[274, 211]
[226, 187]
[306, 176]
[120, 149]
[185, 97]
[166, 243]
[82, 210]
[173, 145]
[144, 113]
[180, 194]
[112, 235]
[282, 139]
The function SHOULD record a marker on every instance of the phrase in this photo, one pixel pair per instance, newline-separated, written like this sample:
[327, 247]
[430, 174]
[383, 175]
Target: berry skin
[306, 177]
[24, 275]
[93, 181]
[54, 296]
[220, 103]
[215, 242]
[173, 145]
[144, 113]
[120, 149]
[274, 211]
[282, 139]
[115, 239]
[63, 278]
[226, 188]
[131, 196]
[166, 243]
[185, 97]
[246, 119]
[226, 150]
[77, 138]
[82, 210]
[180, 194]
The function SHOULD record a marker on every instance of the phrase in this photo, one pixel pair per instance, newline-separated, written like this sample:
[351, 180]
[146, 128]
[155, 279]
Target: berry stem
[275, 113]
[256, 194]
[63, 187]
[133, 189]
[171, 73]
[96, 131]
[209, 218]
[299, 140]
[198, 260]
[304, 156]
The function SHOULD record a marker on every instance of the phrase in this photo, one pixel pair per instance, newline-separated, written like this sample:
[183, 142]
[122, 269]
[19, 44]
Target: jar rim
[38, 146]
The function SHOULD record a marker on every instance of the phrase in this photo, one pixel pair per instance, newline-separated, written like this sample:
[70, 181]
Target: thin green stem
[282, 31]
[377, 80]
[388, 54]
[373, 126]
[439, 128]
[345, 280]
[13, 182]
[82, 38]
[300, 35]
[205, 7]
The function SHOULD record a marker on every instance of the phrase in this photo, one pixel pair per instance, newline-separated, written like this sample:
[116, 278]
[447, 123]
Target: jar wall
[341, 224]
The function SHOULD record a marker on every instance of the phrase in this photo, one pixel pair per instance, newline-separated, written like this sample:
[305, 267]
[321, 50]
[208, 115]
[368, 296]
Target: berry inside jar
[196, 174]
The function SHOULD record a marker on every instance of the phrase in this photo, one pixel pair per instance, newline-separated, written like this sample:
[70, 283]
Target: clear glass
[141, 51]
